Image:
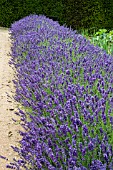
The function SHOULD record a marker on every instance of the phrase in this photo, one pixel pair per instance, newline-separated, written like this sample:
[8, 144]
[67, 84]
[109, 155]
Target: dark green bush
[12, 10]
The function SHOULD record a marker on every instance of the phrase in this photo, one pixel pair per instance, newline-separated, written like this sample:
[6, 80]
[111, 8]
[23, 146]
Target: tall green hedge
[75, 13]
[108, 10]
[13, 10]
[84, 13]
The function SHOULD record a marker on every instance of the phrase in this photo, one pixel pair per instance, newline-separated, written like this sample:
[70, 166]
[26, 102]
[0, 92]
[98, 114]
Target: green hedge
[77, 14]
[14, 10]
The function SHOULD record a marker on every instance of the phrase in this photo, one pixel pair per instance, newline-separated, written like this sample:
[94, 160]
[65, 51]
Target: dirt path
[8, 129]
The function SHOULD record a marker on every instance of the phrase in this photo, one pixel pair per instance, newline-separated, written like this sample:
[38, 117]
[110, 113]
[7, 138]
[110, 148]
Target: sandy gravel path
[8, 129]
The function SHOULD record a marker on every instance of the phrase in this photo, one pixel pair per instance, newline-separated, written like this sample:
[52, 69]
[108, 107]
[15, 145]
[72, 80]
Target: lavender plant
[65, 85]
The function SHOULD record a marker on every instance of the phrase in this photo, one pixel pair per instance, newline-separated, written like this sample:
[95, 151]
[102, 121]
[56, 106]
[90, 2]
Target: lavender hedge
[65, 85]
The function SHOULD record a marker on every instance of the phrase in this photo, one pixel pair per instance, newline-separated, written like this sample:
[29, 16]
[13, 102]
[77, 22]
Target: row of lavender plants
[65, 85]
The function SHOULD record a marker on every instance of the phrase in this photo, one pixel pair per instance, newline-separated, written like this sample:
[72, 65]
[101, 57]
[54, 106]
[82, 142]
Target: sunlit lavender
[65, 85]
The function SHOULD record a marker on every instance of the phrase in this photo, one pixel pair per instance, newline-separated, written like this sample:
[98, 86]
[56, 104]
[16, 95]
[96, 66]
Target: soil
[9, 134]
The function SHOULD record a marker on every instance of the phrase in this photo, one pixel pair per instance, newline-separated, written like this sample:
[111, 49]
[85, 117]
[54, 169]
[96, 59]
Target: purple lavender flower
[61, 83]
[90, 146]
[85, 130]
[97, 164]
